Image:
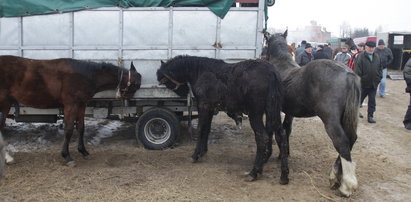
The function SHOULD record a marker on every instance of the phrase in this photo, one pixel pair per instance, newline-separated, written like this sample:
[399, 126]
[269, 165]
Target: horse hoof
[249, 178]
[334, 185]
[284, 181]
[87, 157]
[71, 164]
[194, 159]
[9, 159]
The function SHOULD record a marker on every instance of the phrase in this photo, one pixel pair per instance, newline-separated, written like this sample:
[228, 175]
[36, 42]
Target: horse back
[39, 83]
[318, 85]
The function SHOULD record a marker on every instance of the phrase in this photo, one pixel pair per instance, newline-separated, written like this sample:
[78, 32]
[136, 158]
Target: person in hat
[328, 51]
[320, 54]
[386, 59]
[306, 56]
[343, 56]
[360, 48]
[300, 49]
[368, 67]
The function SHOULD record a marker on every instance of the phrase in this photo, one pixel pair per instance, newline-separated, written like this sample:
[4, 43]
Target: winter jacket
[407, 75]
[407, 70]
[385, 56]
[320, 55]
[304, 58]
[343, 57]
[329, 52]
[299, 50]
[369, 71]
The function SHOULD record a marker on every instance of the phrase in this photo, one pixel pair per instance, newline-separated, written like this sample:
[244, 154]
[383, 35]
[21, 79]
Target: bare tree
[345, 30]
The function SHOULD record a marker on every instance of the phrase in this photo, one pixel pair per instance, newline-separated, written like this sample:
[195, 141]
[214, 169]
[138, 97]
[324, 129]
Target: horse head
[166, 76]
[130, 82]
[277, 45]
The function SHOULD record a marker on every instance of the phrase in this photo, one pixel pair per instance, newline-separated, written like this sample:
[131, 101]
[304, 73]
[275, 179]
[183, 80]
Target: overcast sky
[392, 15]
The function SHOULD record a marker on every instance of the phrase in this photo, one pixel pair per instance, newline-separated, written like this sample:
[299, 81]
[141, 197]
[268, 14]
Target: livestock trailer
[400, 45]
[145, 32]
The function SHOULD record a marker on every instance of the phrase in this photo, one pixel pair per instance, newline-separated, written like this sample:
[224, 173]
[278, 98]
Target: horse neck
[109, 79]
[284, 64]
[193, 68]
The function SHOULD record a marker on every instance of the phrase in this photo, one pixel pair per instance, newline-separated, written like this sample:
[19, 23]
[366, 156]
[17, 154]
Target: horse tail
[274, 103]
[352, 106]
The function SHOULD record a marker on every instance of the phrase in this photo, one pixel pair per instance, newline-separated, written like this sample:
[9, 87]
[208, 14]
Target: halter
[178, 84]
[119, 90]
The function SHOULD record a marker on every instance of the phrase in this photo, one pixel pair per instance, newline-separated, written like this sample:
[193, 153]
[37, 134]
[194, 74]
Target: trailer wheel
[157, 128]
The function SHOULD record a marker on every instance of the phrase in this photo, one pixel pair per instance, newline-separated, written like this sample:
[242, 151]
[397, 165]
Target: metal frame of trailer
[146, 36]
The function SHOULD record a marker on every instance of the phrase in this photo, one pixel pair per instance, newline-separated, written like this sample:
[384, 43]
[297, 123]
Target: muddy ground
[121, 169]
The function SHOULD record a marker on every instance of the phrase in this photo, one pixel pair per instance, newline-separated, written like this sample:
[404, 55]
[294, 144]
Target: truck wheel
[270, 2]
[157, 128]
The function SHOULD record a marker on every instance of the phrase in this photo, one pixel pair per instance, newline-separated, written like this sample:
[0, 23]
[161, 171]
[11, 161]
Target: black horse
[252, 87]
[327, 89]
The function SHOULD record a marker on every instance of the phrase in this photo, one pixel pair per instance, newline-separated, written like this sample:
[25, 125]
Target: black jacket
[320, 54]
[369, 71]
[304, 58]
[385, 56]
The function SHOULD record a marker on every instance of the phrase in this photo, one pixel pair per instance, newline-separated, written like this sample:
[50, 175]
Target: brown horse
[61, 83]
[2, 152]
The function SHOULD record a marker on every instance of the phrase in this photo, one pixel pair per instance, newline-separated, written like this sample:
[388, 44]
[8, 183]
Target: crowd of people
[368, 60]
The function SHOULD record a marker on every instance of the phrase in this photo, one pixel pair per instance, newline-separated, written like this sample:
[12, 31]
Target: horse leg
[287, 125]
[80, 129]
[204, 124]
[262, 139]
[343, 170]
[5, 109]
[69, 119]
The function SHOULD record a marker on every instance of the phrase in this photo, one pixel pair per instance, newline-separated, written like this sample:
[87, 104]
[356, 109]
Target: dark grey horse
[252, 87]
[327, 89]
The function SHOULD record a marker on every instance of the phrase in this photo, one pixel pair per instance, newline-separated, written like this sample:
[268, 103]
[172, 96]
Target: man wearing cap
[368, 67]
[306, 56]
[386, 59]
[328, 51]
[300, 49]
[343, 56]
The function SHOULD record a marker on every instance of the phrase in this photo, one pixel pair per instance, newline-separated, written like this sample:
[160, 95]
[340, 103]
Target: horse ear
[132, 66]
[285, 34]
[162, 62]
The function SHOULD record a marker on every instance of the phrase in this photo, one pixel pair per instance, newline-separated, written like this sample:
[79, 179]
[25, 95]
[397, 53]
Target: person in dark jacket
[300, 49]
[306, 56]
[407, 78]
[368, 67]
[320, 53]
[328, 51]
[386, 59]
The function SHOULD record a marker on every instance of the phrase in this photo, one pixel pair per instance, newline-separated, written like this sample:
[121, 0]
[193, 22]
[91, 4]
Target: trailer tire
[157, 128]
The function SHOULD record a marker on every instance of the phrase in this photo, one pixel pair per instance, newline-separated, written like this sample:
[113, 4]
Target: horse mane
[278, 52]
[89, 69]
[183, 64]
